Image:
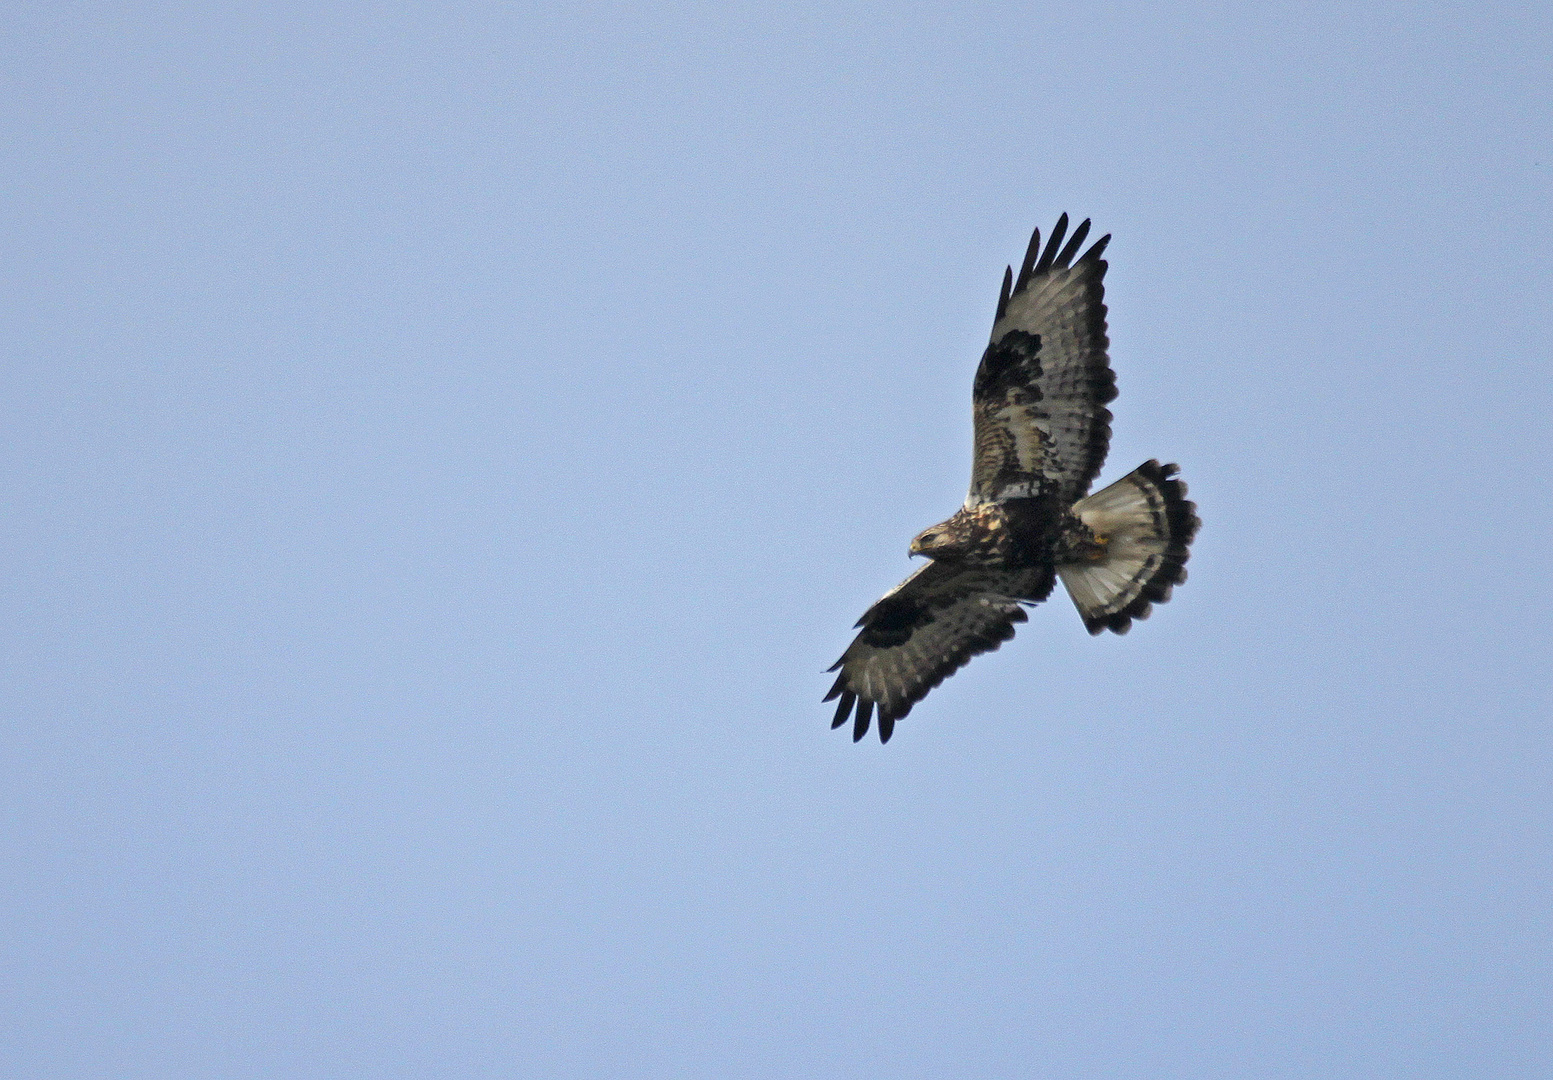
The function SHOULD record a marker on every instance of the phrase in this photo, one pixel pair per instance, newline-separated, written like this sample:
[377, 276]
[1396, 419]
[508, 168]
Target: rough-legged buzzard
[1042, 430]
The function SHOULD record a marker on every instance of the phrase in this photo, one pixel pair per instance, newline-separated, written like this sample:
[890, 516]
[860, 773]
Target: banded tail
[1146, 523]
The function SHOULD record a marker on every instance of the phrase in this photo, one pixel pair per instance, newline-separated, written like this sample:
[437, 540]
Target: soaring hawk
[1042, 430]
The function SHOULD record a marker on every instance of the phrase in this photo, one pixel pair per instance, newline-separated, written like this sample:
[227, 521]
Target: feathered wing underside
[1147, 524]
[923, 631]
[1042, 427]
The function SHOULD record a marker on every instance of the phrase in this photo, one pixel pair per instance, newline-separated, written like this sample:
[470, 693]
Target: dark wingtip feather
[886, 726]
[1070, 249]
[836, 689]
[1008, 284]
[843, 709]
[865, 710]
[1031, 253]
[1052, 246]
[1094, 253]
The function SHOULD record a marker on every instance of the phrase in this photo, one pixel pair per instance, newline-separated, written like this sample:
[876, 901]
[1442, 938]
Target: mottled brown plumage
[1041, 434]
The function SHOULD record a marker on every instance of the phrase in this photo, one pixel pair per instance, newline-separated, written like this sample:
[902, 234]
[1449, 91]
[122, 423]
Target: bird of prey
[1041, 433]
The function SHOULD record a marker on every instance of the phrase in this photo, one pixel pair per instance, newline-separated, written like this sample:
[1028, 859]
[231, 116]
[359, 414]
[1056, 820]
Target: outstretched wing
[1042, 427]
[924, 630]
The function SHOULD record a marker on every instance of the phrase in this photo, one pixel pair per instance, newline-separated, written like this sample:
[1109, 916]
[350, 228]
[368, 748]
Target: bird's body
[1014, 534]
[1041, 436]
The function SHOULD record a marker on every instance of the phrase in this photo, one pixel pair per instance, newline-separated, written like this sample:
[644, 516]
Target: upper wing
[924, 630]
[1042, 427]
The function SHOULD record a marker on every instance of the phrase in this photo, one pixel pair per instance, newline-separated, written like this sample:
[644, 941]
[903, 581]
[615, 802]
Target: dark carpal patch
[893, 621]
[1013, 364]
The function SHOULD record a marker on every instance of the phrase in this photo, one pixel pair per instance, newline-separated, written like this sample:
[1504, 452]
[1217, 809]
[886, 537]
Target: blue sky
[444, 445]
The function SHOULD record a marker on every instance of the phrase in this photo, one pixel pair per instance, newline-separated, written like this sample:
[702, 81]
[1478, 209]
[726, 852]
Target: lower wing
[924, 630]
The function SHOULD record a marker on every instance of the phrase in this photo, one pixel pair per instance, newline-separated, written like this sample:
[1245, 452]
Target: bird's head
[942, 541]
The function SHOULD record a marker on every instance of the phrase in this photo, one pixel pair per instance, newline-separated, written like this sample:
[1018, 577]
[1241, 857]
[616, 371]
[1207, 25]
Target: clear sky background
[444, 444]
